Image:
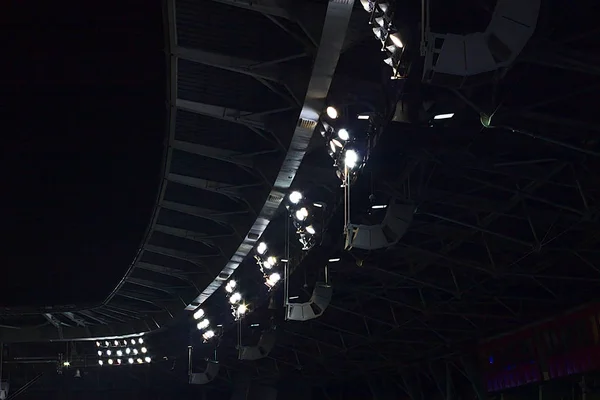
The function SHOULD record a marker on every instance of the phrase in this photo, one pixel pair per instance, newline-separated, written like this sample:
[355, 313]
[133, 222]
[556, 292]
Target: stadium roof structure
[505, 229]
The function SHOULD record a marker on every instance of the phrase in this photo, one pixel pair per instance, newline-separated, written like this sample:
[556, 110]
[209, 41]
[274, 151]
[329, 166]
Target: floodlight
[311, 229]
[108, 352]
[130, 361]
[203, 324]
[395, 38]
[110, 361]
[230, 286]
[235, 298]
[100, 362]
[351, 159]
[261, 248]
[140, 361]
[127, 350]
[301, 214]
[343, 134]
[208, 335]
[199, 313]
[273, 279]
[241, 310]
[99, 352]
[147, 359]
[140, 340]
[144, 350]
[332, 112]
[295, 197]
[119, 353]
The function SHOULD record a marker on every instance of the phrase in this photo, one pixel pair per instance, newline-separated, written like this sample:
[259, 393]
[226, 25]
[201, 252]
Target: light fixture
[97, 344]
[301, 214]
[135, 351]
[444, 116]
[144, 350]
[351, 158]
[106, 344]
[118, 361]
[116, 342]
[241, 310]
[140, 340]
[132, 341]
[380, 21]
[108, 352]
[110, 361]
[295, 197]
[100, 362]
[203, 324]
[332, 112]
[378, 206]
[363, 116]
[119, 353]
[334, 259]
[100, 352]
[378, 32]
[208, 335]
[235, 298]
[273, 279]
[140, 361]
[130, 361]
[147, 359]
[270, 262]
[261, 248]
[311, 229]
[66, 364]
[343, 134]
[127, 350]
[230, 286]
[395, 38]
[199, 313]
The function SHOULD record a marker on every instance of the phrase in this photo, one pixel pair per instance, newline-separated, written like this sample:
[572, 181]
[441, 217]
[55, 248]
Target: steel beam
[223, 113]
[213, 152]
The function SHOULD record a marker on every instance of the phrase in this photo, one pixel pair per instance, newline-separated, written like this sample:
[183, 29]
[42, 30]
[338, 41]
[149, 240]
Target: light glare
[295, 197]
[343, 134]
[444, 116]
[332, 112]
[351, 159]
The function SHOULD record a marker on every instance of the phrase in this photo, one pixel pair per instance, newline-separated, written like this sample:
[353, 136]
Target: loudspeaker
[462, 60]
[209, 374]
[315, 307]
[261, 350]
[397, 219]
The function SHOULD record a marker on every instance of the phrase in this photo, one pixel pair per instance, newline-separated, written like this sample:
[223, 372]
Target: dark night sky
[83, 104]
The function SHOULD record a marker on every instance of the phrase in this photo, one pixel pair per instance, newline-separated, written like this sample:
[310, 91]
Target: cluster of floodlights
[384, 30]
[203, 325]
[268, 264]
[122, 352]
[302, 212]
[349, 153]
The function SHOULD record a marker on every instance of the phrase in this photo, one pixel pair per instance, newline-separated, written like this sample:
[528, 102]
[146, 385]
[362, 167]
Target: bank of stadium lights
[384, 30]
[268, 262]
[122, 352]
[302, 212]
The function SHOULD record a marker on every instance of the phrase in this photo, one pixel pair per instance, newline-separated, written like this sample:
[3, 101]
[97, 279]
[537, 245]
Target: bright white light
[235, 298]
[334, 259]
[106, 344]
[110, 361]
[273, 279]
[199, 313]
[395, 38]
[318, 205]
[311, 229]
[130, 361]
[97, 344]
[116, 342]
[302, 214]
[261, 248]
[332, 112]
[147, 359]
[99, 352]
[295, 197]
[230, 286]
[119, 361]
[337, 143]
[135, 351]
[140, 361]
[362, 116]
[144, 350]
[108, 352]
[343, 134]
[119, 353]
[140, 340]
[208, 335]
[132, 341]
[127, 350]
[203, 324]
[351, 159]
[378, 206]
[444, 116]
[241, 310]
[271, 262]
[332, 146]
[66, 364]
[100, 362]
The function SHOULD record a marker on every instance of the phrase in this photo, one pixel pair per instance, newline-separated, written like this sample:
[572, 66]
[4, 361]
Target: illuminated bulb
[132, 341]
[140, 340]
[343, 134]
[119, 361]
[273, 279]
[106, 344]
[235, 298]
[208, 335]
[199, 313]
[100, 362]
[108, 352]
[147, 359]
[116, 342]
[124, 342]
[367, 5]
[99, 353]
[130, 361]
[110, 361]
[261, 248]
[295, 197]
[332, 147]
[135, 351]
[311, 229]
[140, 361]
[395, 38]
[351, 159]
[337, 143]
[128, 350]
[66, 364]
[272, 260]
[144, 350]
[241, 310]
[119, 353]
[332, 112]
[203, 324]
[230, 286]
[444, 116]
[302, 214]
[97, 344]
